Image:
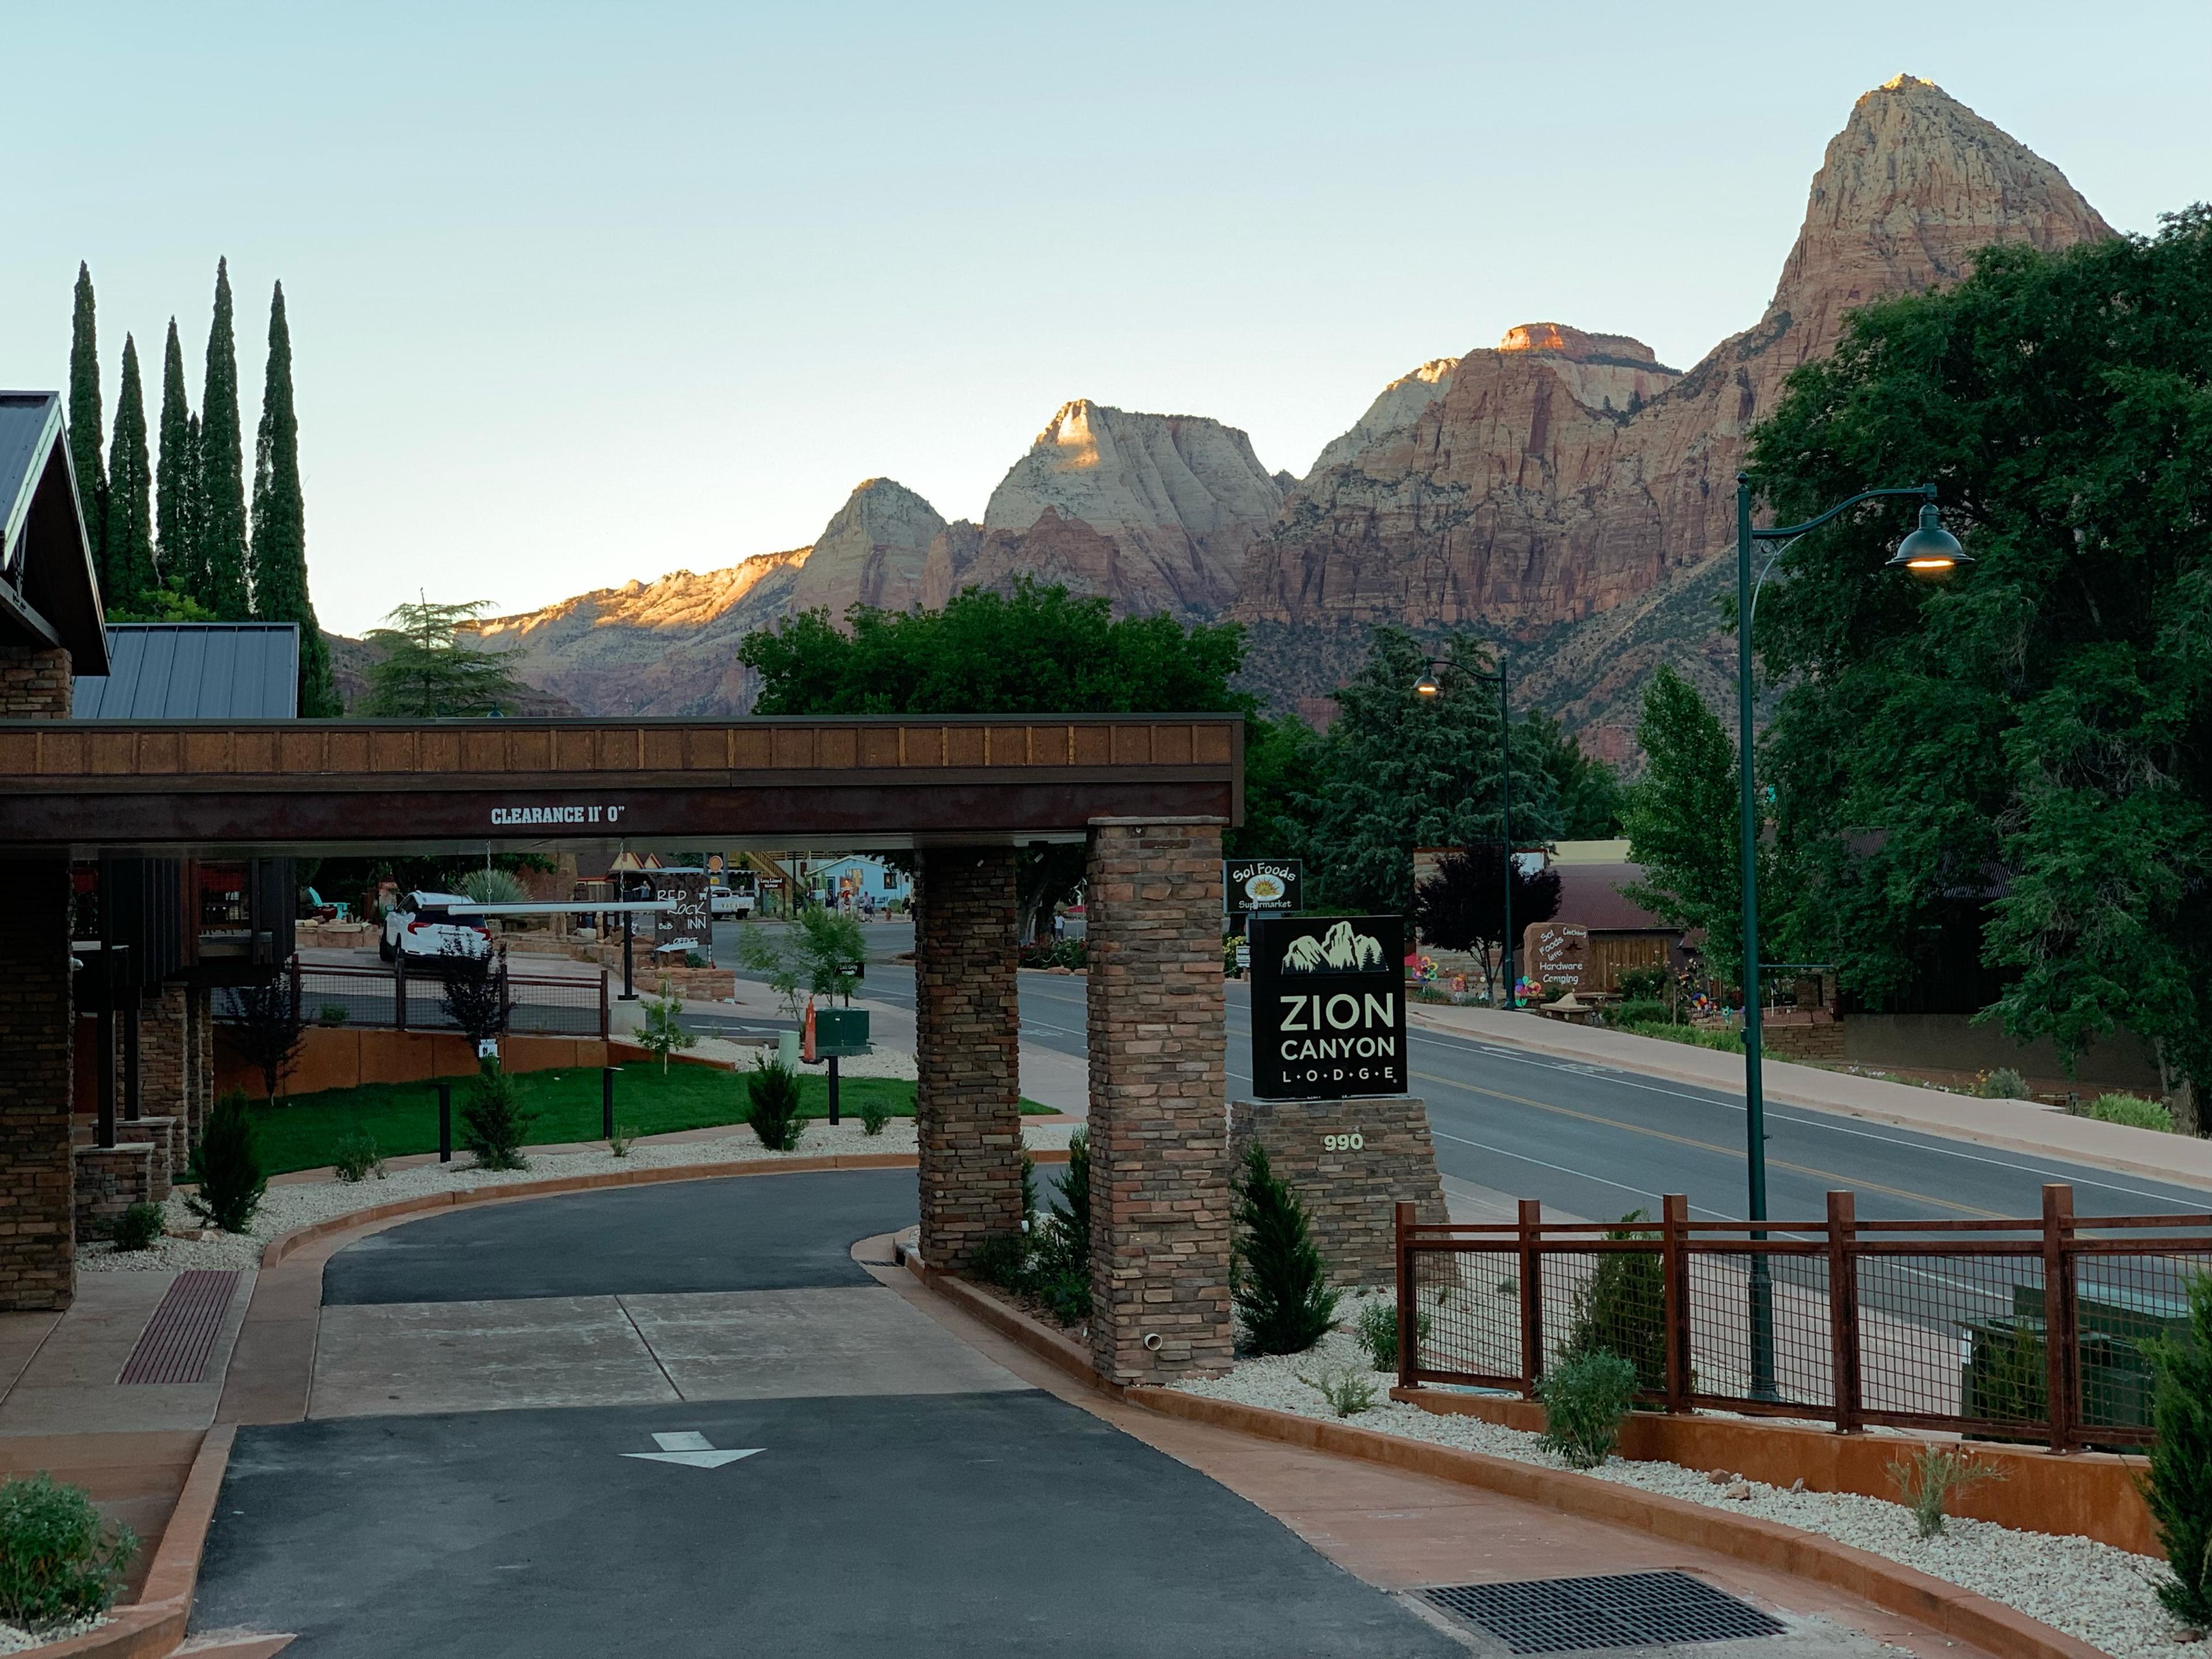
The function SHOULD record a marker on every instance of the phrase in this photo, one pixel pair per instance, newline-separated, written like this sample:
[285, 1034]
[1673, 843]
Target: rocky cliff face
[872, 553]
[1530, 497]
[1156, 512]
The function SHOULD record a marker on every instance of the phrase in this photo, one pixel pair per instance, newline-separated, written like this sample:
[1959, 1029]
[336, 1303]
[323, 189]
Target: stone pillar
[37, 1268]
[161, 1039]
[968, 1022]
[38, 1264]
[1160, 1209]
[199, 1061]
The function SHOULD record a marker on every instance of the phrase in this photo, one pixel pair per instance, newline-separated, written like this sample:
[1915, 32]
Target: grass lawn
[1697, 1035]
[302, 1132]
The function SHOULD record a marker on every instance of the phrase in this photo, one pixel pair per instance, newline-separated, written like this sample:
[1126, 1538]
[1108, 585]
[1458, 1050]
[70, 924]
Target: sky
[583, 295]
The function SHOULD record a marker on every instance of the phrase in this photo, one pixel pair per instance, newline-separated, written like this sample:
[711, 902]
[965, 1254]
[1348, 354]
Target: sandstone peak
[872, 552]
[1576, 346]
[1392, 416]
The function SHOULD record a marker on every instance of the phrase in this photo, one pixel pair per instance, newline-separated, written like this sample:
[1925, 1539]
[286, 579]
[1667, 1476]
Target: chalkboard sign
[1329, 1006]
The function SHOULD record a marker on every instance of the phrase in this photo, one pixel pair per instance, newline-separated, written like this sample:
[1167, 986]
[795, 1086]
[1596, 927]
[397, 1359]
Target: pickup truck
[721, 902]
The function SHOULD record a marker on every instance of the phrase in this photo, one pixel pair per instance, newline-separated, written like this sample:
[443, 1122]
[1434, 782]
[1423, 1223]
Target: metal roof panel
[195, 671]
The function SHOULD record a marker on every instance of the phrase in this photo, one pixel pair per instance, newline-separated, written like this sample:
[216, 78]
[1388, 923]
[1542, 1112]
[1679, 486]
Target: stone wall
[37, 1075]
[967, 1095]
[109, 1180]
[199, 1060]
[1160, 1215]
[162, 1035]
[1352, 1192]
[35, 685]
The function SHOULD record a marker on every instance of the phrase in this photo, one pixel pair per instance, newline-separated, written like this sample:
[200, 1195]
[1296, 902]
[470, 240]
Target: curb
[1890, 1585]
[1785, 1093]
[154, 1624]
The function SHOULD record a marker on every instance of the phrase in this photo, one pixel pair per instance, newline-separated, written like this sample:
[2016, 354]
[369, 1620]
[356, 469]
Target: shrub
[1642, 984]
[1700, 1036]
[494, 887]
[1000, 1259]
[1347, 1392]
[1276, 1276]
[1642, 1011]
[1621, 1308]
[693, 959]
[1028, 1188]
[267, 1028]
[472, 991]
[662, 1032]
[494, 1119]
[59, 1560]
[874, 1114]
[355, 1157]
[1584, 1400]
[1060, 1270]
[1376, 1326]
[2180, 1487]
[332, 1014]
[138, 1226]
[227, 1168]
[2132, 1110]
[2004, 1084]
[772, 1094]
[1926, 1479]
[621, 1140]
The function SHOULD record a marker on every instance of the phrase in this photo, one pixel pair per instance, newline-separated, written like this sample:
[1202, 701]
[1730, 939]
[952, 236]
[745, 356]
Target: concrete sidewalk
[2013, 1125]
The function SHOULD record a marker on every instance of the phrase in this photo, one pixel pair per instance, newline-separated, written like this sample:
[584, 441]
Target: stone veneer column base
[1351, 1194]
[110, 1179]
[968, 1022]
[37, 1187]
[1160, 1207]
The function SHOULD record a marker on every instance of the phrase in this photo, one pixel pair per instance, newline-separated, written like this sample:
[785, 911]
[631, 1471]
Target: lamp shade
[1930, 552]
[1425, 686]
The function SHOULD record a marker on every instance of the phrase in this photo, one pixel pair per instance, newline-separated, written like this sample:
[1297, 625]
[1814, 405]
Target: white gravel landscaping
[300, 1204]
[14, 1638]
[2089, 1590]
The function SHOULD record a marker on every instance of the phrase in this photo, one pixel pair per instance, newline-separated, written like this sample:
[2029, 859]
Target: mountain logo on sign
[1339, 951]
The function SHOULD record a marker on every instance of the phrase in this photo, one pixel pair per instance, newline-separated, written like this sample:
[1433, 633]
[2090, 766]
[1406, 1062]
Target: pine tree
[280, 523]
[84, 420]
[127, 552]
[178, 480]
[222, 468]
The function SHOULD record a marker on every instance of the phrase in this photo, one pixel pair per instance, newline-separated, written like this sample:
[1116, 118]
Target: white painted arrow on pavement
[689, 1446]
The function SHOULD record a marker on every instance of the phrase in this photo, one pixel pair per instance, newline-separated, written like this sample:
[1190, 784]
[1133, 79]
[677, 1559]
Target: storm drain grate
[177, 1339]
[1621, 1610]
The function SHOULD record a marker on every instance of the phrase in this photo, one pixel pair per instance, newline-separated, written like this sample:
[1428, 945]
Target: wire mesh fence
[406, 998]
[2039, 1329]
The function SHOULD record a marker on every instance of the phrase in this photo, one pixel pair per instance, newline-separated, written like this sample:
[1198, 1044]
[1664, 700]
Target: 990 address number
[1351, 1142]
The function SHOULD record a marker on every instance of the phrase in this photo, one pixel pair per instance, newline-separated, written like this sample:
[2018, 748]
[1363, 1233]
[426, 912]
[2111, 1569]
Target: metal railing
[404, 999]
[2031, 1329]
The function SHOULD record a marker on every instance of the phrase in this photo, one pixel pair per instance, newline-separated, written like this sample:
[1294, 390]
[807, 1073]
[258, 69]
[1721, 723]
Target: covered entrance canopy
[1150, 795]
[214, 787]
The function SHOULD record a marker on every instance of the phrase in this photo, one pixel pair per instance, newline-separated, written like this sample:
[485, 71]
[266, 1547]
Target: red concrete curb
[1888, 1584]
[154, 1624]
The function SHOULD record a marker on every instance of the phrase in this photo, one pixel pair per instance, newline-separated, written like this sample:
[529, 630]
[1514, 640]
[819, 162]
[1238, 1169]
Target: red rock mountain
[1563, 489]
[1529, 496]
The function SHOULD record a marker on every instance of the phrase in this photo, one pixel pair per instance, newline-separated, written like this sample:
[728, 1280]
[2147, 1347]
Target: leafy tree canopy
[2037, 735]
[433, 669]
[1589, 791]
[1463, 906]
[1682, 820]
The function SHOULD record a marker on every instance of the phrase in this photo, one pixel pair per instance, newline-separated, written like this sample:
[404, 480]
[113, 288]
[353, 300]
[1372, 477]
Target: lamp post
[1428, 688]
[1929, 553]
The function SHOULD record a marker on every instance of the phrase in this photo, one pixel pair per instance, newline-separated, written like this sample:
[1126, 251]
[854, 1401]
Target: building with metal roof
[48, 591]
[195, 671]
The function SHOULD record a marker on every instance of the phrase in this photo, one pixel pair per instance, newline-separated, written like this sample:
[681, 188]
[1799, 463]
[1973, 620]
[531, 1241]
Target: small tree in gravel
[494, 1120]
[772, 1109]
[1584, 1400]
[59, 1560]
[227, 1168]
[2179, 1486]
[472, 990]
[661, 1032]
[1621, 1308]
[1277, 1278]
[268, 1030]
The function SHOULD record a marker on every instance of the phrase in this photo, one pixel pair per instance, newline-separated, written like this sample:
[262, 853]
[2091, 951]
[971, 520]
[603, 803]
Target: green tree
[177, 480]
[1038, 650]
[428, 669]
[2179, 1490]
[1589, 791]
[280, 523]
[126, 566]
[814, 956]
[1406, 771]
[1682, 821]
[1284, 778]
[223, 585]
[2031, 745]
[84, 417]
[1276, 1279]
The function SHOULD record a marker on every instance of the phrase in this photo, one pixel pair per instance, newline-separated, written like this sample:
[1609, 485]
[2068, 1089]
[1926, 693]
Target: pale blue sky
[580, 295]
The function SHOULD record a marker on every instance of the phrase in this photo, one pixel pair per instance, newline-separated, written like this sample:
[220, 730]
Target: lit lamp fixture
[1930, 553]
[1427, 686]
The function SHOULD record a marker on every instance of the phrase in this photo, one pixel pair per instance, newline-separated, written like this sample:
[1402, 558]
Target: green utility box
[839, 1032]
[2003, 1376]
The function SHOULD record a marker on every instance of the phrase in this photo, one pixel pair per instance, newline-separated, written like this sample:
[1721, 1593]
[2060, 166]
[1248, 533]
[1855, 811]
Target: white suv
[423, 925]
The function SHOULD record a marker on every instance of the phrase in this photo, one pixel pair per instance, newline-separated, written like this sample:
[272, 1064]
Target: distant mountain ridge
[1562, 489]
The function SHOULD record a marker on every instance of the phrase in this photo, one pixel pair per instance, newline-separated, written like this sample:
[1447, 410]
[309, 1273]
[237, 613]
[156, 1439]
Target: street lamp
[1428, 688]
[1930, 553]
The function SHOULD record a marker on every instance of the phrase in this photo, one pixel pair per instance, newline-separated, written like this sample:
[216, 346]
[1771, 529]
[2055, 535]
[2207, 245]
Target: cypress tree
[280, 522]
[222, 468]
[178, 478]
[84, 420]
[127, 557]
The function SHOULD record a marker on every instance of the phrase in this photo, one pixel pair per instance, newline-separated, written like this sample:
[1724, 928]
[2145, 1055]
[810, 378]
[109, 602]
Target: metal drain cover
[1621, 1610]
